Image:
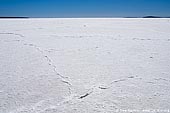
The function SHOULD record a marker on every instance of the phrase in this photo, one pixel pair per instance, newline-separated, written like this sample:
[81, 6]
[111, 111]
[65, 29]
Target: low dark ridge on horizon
[152, 17]
[81, 17]
[14, 17]
[148, 17]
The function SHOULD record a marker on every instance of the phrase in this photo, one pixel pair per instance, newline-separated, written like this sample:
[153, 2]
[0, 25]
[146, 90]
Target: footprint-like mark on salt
[102, 87]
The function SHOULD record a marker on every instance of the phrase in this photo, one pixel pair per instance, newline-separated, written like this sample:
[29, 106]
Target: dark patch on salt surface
[83, 96]
[131, 77]
[103, 87]
[13, 34]
[119, 80]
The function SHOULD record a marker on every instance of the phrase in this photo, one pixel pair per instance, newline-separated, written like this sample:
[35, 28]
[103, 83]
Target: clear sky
[84, 8]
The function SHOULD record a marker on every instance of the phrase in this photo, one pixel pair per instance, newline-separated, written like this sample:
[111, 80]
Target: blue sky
[84, 8]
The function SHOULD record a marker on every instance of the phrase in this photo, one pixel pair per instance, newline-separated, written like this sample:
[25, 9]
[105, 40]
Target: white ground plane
[84, 65]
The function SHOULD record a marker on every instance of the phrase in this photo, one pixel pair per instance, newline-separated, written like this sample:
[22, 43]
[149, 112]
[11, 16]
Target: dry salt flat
[95, 65]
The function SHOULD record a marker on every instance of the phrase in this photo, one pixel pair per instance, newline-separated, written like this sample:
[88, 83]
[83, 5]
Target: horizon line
[26, 17]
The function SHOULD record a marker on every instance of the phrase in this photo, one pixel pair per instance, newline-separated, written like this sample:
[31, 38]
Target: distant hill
[148, 17]
[13, 17]
[152, 17]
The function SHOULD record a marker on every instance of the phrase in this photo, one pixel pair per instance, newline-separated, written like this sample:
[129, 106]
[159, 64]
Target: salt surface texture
[84, 65]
